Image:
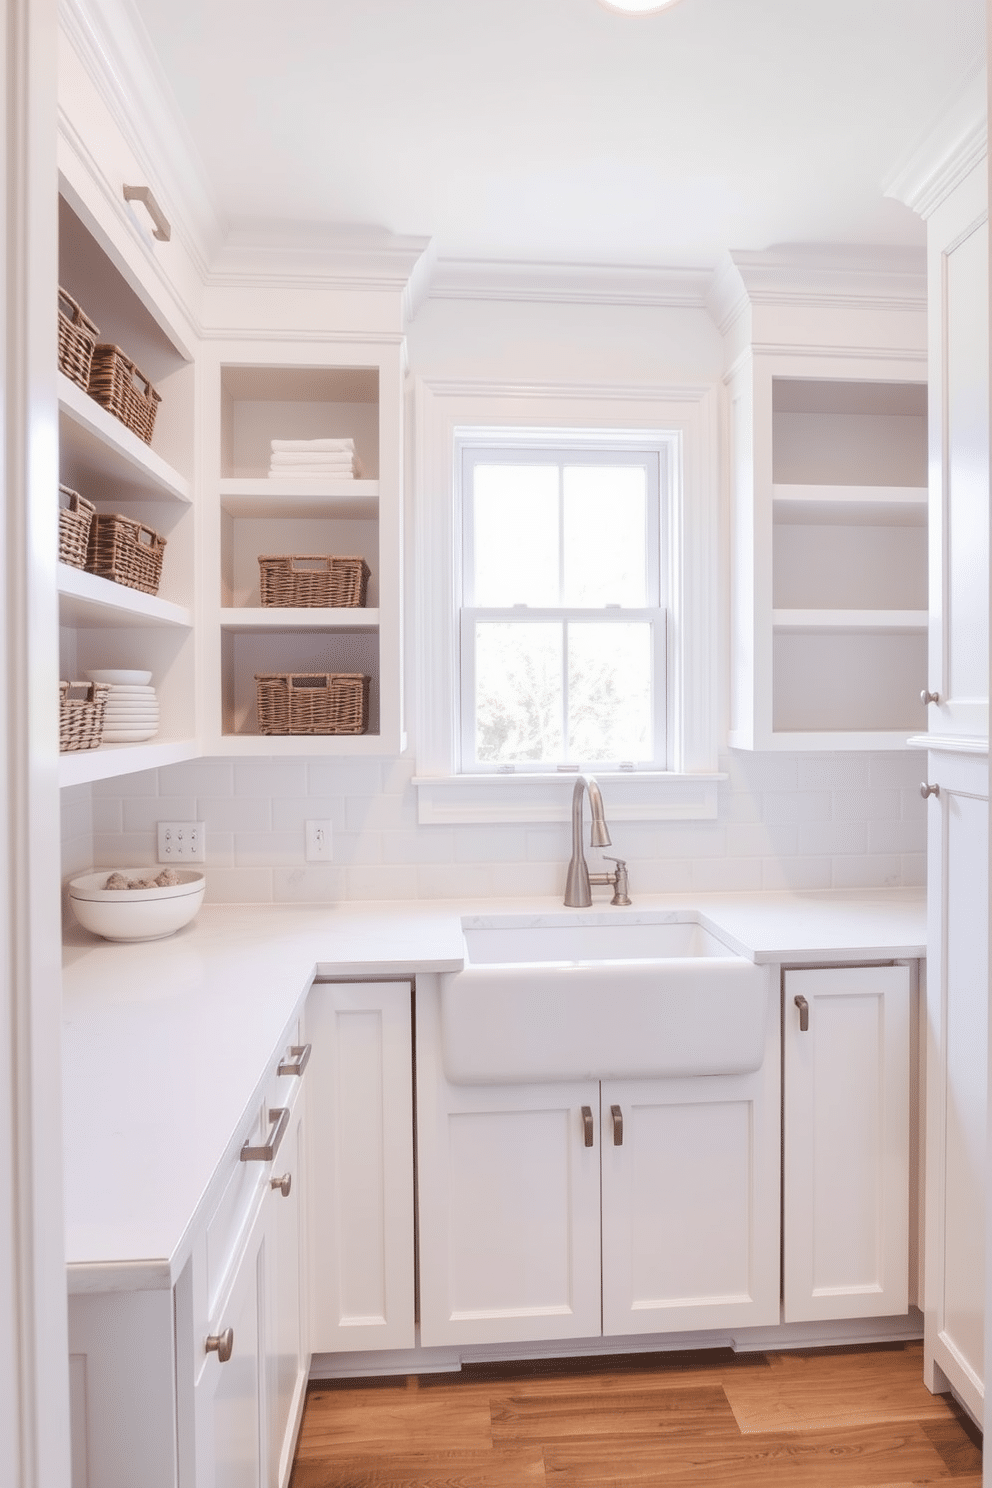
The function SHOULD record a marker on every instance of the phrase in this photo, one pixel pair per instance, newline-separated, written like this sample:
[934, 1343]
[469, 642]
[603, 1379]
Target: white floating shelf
[297, 744]
[80, 766]
[95, 446]
[309, 497]
[822, 740]
[316, 617]
[852, 505]
[839, 621]
[86, 600]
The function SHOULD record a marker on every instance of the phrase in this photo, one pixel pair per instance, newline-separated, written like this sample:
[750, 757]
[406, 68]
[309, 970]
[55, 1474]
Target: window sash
[654, 617]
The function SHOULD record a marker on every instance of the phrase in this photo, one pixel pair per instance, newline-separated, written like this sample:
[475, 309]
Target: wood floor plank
[958, 1441]
[853, 1387]
[334, 1426]
[538, 1416]
[864, 1457]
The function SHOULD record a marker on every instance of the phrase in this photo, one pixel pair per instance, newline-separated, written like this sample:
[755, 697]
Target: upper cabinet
[108, 622]
[829, 510]
[329, 650]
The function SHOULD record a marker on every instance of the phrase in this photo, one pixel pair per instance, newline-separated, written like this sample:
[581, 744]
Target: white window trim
[688, 790]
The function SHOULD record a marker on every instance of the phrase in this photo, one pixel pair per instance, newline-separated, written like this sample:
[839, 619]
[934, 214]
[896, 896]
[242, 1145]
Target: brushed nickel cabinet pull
[929, 697]
[283, 1184]
[279, 1116]
[929, 790]
[587, 1132]
[803, 1007]
[299, 1058]
[143, 194]
[221, 1344]
[617, 1115]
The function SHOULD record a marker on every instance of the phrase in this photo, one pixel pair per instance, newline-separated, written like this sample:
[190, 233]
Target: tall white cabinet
[950, 189]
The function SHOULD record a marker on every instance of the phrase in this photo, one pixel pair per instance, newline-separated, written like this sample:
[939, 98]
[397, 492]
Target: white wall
[785, 821]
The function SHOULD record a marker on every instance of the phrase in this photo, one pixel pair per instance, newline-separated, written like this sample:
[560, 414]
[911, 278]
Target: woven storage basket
[81, 718]
[125, 551]
[122, 390]
[337, 582]
[312, 702]
[75, 515]
[77, 338]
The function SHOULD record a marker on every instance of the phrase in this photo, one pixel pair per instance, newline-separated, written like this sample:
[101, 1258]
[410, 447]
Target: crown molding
[293, 255]
[113, 46]
[814, 276]
[564, 283]
[958, 142]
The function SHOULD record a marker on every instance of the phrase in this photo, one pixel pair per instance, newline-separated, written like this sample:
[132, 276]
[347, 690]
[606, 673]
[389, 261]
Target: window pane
[518, 683]
[516, 535]
[605, 536]
[609, 692]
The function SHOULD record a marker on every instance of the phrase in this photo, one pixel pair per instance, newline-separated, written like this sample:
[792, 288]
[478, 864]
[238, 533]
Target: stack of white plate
[132, 706]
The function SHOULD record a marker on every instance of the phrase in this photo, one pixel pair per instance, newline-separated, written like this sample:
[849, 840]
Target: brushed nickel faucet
[578, 881]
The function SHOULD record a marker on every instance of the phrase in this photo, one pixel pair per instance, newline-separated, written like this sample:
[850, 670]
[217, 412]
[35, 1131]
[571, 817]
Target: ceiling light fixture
[638, 7]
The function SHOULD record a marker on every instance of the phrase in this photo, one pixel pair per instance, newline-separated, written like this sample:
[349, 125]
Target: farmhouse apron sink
[582, 997]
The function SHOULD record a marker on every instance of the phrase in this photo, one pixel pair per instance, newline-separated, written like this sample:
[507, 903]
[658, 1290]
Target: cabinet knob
[929, 790]
[283, 1184]
[221, 1344]
[929, 697]
[617, 1115]
[587, 1132]
[803, 1007]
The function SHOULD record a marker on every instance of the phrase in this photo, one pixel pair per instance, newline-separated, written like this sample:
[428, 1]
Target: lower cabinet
[202, 1385]
[572, 1210]
[846, 1125]
[361, 1167]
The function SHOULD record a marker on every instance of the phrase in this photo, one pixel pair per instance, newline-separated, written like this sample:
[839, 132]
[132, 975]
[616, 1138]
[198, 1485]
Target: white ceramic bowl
[136, 914]
[118, 678]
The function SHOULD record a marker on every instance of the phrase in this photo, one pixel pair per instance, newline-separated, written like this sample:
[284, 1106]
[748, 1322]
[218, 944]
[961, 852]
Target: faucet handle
[621, 884]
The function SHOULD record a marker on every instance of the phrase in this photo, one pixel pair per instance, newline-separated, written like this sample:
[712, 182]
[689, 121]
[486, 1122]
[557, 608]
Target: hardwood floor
[843, 1418]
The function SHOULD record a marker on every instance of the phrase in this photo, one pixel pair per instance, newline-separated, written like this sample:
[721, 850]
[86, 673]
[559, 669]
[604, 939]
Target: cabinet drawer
[233, 1215]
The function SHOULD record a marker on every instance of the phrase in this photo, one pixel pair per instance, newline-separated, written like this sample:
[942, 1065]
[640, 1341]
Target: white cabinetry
[103, 623]
[361, 1166]
[846, 1126]
[957, 1074]
[828, 448]
[515, 1182]
[295, 391]
[203, 1382]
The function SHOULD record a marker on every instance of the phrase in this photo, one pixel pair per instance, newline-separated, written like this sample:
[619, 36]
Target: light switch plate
[320, 842]
[181, 842]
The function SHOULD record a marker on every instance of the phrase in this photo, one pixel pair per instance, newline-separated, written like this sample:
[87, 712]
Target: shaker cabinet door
[846, 1120]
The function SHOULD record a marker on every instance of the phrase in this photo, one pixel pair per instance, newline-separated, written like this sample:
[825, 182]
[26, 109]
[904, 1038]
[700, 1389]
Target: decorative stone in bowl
[139, 913]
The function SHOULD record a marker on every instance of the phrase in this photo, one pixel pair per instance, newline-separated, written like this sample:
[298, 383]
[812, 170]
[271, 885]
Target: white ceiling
[558, 131]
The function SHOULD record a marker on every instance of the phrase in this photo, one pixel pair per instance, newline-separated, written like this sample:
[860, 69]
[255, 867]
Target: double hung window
[563, 641]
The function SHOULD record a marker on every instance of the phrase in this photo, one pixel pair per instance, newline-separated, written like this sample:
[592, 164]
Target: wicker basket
[75, 515]
[126, 551]
[327, 581]
[77, 338]
[81, 718]
[312, 702]
[122, 390]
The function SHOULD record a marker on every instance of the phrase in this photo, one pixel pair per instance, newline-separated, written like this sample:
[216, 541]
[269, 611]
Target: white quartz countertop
[166, 1044]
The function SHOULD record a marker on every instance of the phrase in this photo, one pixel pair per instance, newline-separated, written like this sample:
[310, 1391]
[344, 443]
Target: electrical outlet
[320, 844]
[181, 842]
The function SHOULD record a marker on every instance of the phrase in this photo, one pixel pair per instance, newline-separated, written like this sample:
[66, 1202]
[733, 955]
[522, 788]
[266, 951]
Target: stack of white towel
[314, 457]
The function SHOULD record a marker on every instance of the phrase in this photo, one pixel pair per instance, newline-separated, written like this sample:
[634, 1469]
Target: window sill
[445, 800]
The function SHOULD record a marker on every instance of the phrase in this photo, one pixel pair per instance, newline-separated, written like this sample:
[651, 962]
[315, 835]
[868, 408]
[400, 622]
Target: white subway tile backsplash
[143, 813]
[202, 777]
[314, 883]
[784, 822]
[233, 814]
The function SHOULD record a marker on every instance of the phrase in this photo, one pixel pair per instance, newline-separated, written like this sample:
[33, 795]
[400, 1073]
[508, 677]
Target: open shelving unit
[294, 392]
[830, 558]
[102, 623]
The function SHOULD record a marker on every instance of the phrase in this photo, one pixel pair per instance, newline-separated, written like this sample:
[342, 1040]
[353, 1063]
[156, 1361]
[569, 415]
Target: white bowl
[118, 678]
[136, 914]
